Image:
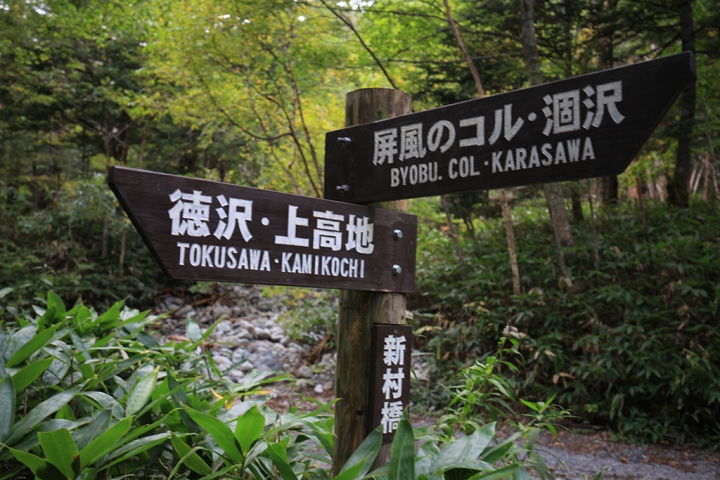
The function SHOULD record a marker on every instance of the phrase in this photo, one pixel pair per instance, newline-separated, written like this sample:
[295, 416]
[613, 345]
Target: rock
[328, 386]
[302, 383]
[318, 388]
[220, 311]
[304, 372]
[262, 334]
[246, 366]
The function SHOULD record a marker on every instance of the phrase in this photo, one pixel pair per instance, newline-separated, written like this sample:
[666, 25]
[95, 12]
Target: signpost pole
[358, 309]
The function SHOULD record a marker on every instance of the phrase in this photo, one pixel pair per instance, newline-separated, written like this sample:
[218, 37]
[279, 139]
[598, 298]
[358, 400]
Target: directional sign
[203, 230]
[390, 371]
[586, 126]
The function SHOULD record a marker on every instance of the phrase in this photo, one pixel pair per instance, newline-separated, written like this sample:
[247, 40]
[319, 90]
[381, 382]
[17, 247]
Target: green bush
[634, 345]
[87, 396]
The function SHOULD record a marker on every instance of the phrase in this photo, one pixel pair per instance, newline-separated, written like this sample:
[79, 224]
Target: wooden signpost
[586, 126]
[203, 230]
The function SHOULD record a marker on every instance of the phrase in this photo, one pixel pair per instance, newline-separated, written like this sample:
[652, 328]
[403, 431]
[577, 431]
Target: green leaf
[5, 291]
[26, 375]
[181, 400]
[249, 428]
[193, 330]
[465, 449]
[40, 413]
[7, 407]
[364, 455]
[53, 300]
[278, 455]
[105, 443]
[60, 450]
[142, 392]
[36, 343]
[33, 462]
[402, 464]
[97, 426]
[47, 318]
[500, 474]
[221, 433]
[137, 447]
[189, 457]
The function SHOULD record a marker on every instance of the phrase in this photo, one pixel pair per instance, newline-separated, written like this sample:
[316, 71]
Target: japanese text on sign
[191, 215]
[569, 111]
[394, 360]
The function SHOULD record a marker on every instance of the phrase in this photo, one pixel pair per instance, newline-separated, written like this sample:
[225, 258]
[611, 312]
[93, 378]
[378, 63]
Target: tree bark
[553, 191]
[607, 187]
[510, 234]
[678, 187]
[359, 310]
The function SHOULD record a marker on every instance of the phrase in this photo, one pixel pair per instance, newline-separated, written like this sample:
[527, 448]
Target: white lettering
[546, 150]
[451, 170]
[496, 167]
[588, 151]
[182, 246]
[195, 255]
[232, 261]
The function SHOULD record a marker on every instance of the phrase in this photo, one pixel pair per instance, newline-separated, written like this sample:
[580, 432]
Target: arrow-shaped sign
[586, 126]
[203, 230]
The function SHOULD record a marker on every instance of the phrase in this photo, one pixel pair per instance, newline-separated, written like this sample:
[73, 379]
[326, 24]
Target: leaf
[26, 375]
[181, 400]
[142, 392]
[189, 457]
[60, 450]
[221, 433]
[249, 427]
[33, 462]
[465, 449]
[97, 426]
[136, 447]
[364, 455]
[103, 444]
[33, 345]
[54, 300]
[40, 413]
[278, 455]
[193, 330]
[7, 407]
[402, 464]
[502, 473]
[5, 291]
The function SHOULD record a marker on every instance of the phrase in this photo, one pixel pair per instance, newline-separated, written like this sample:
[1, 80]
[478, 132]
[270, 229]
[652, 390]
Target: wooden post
[359, 310]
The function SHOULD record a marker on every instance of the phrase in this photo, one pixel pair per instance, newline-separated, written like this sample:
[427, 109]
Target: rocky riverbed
[249, 336]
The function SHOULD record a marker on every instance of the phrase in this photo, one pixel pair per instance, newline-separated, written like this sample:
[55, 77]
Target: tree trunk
[454, 234]
[607, 187]
[510, 234]
[678, 186]
[553, 191]
[359, 310]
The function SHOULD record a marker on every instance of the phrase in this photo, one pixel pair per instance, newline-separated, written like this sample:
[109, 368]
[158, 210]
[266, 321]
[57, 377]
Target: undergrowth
[633, 345]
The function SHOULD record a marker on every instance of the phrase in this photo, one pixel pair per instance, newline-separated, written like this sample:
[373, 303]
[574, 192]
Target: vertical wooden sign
[390, 357]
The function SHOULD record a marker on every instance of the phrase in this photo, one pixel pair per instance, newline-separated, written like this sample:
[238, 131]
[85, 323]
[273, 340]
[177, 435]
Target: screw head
[344, 141]
[343, 188]
[397, 234]
[397, 269]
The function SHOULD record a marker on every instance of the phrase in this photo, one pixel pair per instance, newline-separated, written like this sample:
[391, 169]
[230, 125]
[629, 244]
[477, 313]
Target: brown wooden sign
[586, 126]
[203, 230]
[390, 354]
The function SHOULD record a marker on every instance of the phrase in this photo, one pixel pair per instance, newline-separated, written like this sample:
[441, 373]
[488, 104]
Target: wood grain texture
[145, 196]
[359, 310]
[514, 123]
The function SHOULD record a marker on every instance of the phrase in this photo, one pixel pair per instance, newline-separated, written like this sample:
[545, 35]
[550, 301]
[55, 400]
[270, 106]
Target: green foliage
[85, 396]
[81, 245]
[634, 345]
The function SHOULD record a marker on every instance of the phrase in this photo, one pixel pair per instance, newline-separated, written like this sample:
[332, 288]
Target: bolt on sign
[390, 354]
[585, 126]
[203, 230]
